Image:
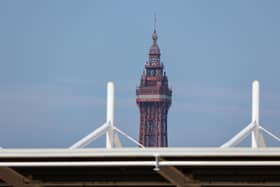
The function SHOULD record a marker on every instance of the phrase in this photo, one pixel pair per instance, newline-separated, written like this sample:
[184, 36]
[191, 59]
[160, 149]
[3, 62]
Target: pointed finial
[155, 21]
[154, 36]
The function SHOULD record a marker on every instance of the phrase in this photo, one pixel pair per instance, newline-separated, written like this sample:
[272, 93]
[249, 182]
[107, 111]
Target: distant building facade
[153, 100]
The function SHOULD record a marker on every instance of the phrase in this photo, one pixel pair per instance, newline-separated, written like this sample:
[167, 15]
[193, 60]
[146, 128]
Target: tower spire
[154, 35]
[155, 22]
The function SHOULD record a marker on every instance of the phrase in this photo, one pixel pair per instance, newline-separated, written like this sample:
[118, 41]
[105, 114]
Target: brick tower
[153, 100]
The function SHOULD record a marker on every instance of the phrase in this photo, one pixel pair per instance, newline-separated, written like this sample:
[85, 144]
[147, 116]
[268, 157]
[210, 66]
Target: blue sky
[56, 57]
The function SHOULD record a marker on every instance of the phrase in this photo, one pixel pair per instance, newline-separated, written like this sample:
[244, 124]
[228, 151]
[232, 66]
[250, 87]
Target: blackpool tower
[153, 100]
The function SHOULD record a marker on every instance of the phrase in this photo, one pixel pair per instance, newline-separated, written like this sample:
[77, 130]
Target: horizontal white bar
[219, 163]
[139, 163]
[137, 152]
[77, 164]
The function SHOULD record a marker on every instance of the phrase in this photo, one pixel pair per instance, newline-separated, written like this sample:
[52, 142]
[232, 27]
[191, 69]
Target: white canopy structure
[181, 167]
[108, 128]
[254, 128]
[112, 139]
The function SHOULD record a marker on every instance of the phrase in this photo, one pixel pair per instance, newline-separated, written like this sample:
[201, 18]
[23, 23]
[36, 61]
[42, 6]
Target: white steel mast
[254, 128]
[108, 128]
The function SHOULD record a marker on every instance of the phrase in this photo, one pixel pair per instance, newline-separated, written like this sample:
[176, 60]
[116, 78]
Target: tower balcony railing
[153, 91]
[154, 64]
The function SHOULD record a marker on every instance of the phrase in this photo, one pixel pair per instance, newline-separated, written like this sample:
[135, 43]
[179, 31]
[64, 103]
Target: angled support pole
[239, 136]
[174, 175]
[15, 179]
[128, 137]
[270, 133]
[91, 137]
